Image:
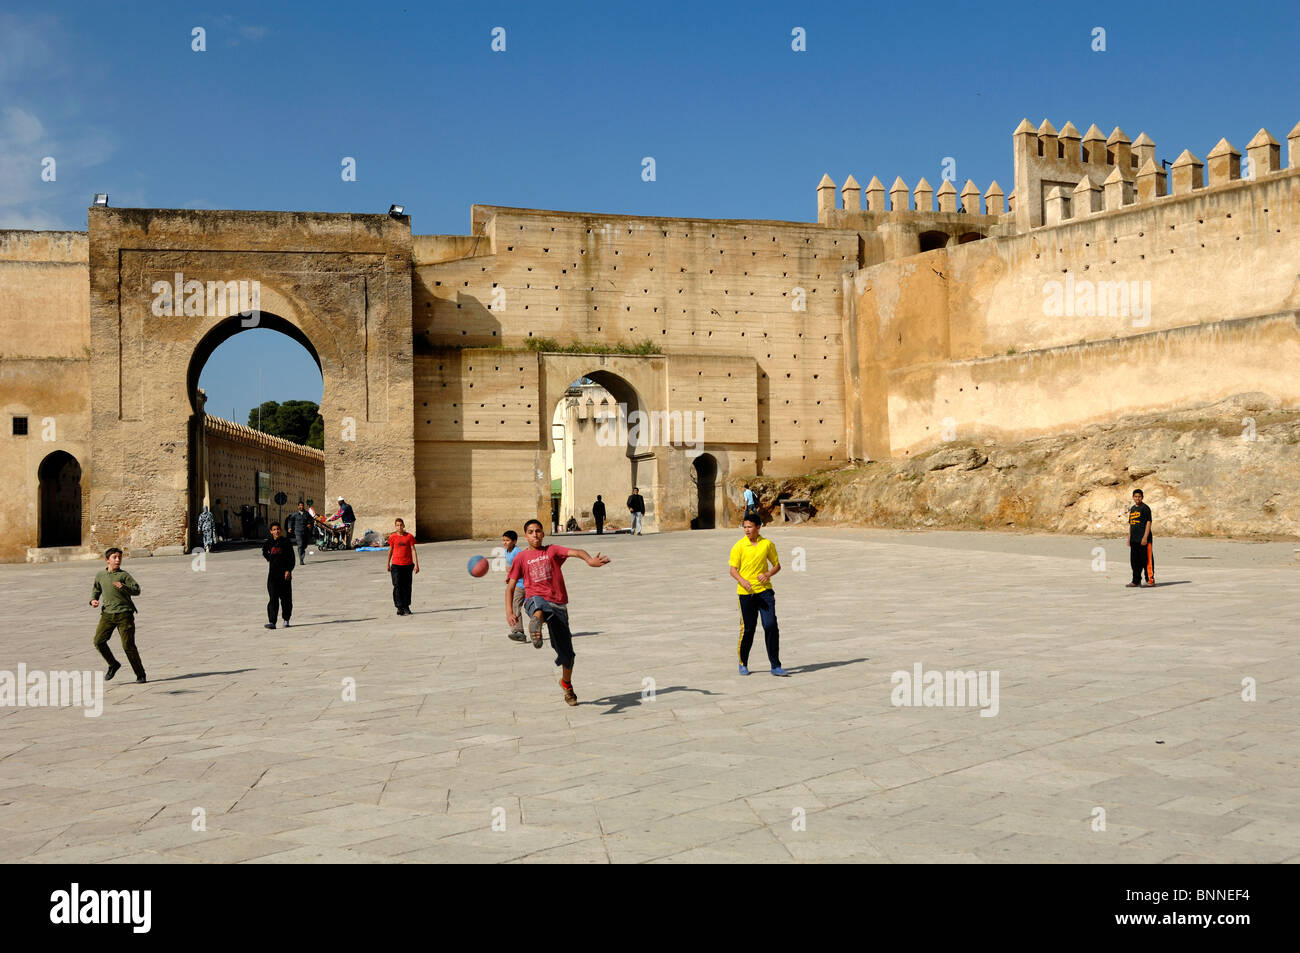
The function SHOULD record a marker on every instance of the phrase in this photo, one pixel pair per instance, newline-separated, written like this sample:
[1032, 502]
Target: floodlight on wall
[101, 199]
[396, 210]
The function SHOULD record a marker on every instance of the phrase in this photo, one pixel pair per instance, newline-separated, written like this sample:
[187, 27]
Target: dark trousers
[752, 606]
[600, 525]
[124, 622]
[280, 591]
[302, 547]
[1142, 560]
[401, 576]
[557, 626]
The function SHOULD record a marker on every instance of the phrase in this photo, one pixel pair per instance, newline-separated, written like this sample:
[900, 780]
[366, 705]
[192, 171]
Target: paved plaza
[1121, 733]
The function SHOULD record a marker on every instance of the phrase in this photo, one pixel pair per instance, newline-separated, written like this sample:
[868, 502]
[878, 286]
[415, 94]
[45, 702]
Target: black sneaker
[269, 625]
[112, 670]
[141, 680]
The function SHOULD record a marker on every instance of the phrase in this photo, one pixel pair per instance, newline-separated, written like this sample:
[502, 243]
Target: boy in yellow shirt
[750, 559]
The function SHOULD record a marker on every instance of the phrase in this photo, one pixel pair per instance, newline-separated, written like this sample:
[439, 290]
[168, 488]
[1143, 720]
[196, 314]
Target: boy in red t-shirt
[402, 562]
[545, 598]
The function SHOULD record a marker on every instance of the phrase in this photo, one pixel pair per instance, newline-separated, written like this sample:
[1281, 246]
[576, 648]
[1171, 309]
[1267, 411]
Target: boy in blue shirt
[510, 541]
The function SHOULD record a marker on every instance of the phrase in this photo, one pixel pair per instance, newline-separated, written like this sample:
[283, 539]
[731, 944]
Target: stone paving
[459, 747]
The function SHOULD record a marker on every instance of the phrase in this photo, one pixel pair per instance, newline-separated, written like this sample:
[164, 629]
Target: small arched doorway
[60, 500]
[932, 240]
[704, 473]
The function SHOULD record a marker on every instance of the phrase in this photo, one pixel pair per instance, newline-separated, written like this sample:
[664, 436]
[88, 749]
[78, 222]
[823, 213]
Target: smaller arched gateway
[704, 471]
[59, 500]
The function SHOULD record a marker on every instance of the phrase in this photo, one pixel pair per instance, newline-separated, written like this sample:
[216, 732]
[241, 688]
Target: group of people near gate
[534, 588]
[635, 514]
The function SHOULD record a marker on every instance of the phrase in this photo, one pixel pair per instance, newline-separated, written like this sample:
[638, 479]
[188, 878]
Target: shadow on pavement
[303, 625]
[799, 669]
[177, 678]
[623, 702]
[452, 609]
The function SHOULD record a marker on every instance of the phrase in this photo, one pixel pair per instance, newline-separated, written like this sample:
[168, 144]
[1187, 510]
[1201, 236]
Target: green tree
[296, 420]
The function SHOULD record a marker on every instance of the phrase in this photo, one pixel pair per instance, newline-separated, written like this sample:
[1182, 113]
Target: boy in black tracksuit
[278, 552]
[1140, 556]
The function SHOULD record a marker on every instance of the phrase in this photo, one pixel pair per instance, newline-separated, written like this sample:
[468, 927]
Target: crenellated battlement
[263, 441]
[1062, 176]
[904, 203]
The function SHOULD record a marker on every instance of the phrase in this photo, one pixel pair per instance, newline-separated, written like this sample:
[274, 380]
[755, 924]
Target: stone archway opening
[704, 474]
[597, 450]
[239, 468]
[932, 240]
[59, 476]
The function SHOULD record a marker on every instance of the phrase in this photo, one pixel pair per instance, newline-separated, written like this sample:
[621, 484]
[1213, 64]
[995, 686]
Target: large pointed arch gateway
[168, 287]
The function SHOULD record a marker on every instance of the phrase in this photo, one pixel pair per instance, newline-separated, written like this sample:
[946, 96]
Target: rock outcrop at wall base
[1229, 469]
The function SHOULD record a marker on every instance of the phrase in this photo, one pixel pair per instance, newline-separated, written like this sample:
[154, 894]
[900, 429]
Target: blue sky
[739, 124]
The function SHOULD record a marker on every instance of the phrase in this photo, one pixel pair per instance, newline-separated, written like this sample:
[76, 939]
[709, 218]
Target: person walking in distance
[545, 598]
[278, 553]
[1141, 557]
[207, 529]
[598, 512]
[111, 594]
[751, 557]
[636, 507]
[751, 503]
[510, 542]
[301, 528]
[403, 563]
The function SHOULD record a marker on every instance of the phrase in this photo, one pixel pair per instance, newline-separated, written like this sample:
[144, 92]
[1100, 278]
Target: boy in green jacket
[113, 590]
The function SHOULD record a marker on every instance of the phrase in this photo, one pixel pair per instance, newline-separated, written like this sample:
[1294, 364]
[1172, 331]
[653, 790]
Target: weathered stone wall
[44, 372]
[1001, 338]
[691, 286]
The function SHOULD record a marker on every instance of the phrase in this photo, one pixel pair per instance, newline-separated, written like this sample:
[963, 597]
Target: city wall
[233, 455]
[1167, 302]
[1102, 285]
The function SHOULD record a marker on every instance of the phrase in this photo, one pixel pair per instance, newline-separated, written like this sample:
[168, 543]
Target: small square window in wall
[20, 426]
